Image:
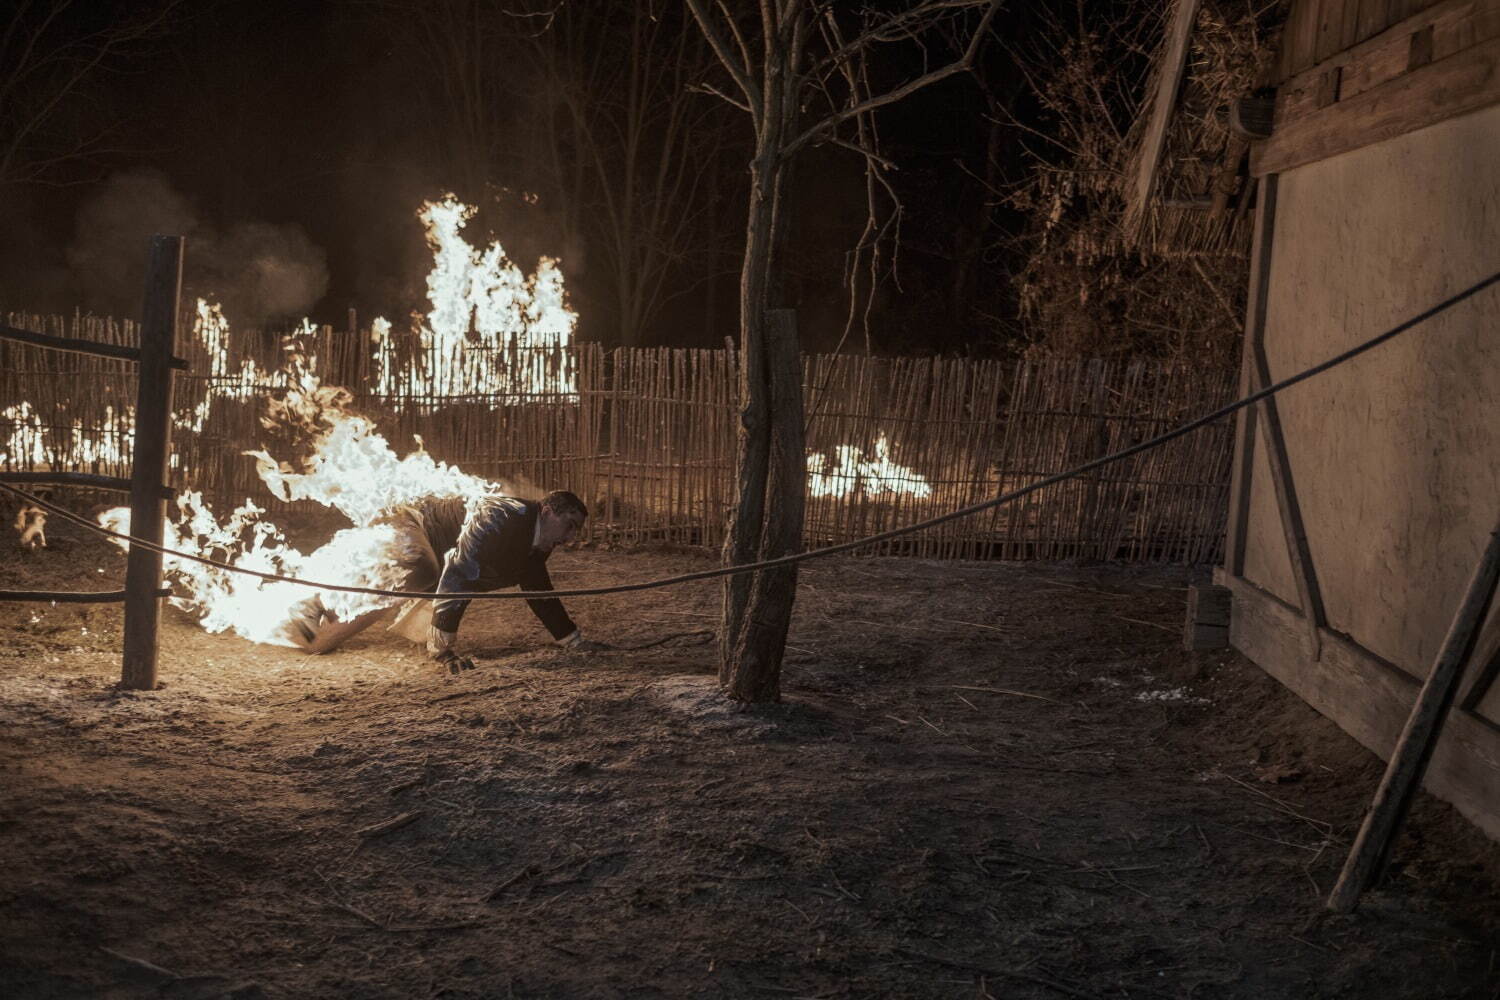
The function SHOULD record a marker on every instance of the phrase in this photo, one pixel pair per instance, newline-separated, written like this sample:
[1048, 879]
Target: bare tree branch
[960, 65]
[737, 70]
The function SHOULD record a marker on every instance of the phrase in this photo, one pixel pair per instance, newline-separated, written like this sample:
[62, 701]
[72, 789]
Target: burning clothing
[445, 545]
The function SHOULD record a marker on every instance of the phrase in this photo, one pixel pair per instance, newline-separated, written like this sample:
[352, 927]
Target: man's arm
[549, 611]
[461, 572]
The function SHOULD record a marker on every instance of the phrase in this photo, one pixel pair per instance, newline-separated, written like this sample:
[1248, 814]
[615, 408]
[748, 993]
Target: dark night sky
[256, 124]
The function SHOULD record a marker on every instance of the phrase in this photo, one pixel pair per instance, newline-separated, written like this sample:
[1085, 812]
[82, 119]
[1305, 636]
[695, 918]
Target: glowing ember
[852, 472]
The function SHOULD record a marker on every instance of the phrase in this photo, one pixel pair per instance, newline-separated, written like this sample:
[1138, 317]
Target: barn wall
[1395, 456]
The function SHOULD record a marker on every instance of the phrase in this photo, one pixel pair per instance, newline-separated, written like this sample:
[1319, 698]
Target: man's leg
[313, 630]
[332, 633]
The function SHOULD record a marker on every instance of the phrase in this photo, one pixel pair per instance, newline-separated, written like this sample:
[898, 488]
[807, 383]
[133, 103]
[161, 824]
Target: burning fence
[493, 391]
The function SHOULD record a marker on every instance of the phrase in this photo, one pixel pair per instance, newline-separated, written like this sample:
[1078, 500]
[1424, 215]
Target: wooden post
[1255, 328]
[1171, 68]
[153, 426]
[1403, 774]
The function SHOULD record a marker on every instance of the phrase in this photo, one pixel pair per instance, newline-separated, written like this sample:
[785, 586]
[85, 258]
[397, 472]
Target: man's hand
[450, 661]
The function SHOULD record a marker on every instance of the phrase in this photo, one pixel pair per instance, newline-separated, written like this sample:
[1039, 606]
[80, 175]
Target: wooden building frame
[1378, 97]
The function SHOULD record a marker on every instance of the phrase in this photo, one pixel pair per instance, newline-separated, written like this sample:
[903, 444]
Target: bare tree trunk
[767, 518]
[746, 524]
[752, 669]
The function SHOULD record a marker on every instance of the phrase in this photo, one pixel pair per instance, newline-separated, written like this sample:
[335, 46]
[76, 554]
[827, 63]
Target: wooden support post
[1255, 326]
[1403, 774]
[1207, 622]
[153, 427]
[1171, 68]
[1309, 594]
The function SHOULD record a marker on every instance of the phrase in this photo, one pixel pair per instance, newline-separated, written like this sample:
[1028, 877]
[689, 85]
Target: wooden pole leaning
[1413, 750]
[153, 428]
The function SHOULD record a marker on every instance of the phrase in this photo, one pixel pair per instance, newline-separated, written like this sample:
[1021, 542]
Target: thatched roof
[1230, 47]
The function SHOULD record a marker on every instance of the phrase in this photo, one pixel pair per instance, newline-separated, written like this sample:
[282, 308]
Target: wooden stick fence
[646, 437]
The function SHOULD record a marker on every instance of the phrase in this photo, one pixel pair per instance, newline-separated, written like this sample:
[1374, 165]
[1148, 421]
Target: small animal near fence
[647, 437]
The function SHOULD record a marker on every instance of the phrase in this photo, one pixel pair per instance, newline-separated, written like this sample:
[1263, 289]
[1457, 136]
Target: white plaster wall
[1395, 455]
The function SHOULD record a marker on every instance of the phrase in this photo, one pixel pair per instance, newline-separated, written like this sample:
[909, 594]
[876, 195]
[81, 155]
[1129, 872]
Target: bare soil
[985, 780]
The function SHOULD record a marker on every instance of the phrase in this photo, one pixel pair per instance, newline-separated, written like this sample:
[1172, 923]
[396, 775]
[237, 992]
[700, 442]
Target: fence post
[153, 428]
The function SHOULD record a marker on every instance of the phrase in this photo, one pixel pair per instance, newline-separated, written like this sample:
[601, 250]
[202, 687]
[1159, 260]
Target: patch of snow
[1179, 694]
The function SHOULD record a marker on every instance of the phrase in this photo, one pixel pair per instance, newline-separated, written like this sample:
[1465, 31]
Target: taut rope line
[798, 557]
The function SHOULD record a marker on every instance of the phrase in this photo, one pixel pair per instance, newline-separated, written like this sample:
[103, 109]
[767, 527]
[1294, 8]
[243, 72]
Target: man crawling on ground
[451, 545]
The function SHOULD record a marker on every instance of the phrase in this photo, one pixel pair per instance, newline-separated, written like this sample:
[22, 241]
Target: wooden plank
[1261, 249]
[1419, 737]
[1368, 698]
[76, 345]
[1169, 82]
[80, 479]
[1300, 37]
[1293, 527]
[1349, 30]
[1466, 81]
[1330, 35]
[1489, 660]
[1374, 17]
[1455, 25]
[71, 596]
[153, 430]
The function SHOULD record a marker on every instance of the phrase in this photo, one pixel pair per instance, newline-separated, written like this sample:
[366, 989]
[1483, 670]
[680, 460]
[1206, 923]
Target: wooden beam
[1255, 327]
[1403, 774]
[73, 345]
[81, 479]
[1368, 697]
[1293, 528]
[1173, 65]
[71, 597]
[1488, 655]
[153, 436]
[1444, 88]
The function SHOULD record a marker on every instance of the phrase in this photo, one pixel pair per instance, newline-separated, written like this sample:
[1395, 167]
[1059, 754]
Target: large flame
[347, 466]
[483, 308]
[853, 472]
[352, 469]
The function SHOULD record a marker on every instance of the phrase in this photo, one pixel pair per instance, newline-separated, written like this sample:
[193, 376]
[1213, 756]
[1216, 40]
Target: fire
[23, 448]
[483, 308]
[853, 472]
[349, 467]
[491, 331]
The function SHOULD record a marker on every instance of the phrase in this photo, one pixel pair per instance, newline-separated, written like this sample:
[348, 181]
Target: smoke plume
[262, 273]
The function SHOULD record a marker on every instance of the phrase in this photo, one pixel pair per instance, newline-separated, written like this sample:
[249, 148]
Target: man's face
[557, 529]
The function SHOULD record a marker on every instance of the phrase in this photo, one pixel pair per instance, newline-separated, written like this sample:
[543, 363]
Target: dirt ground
[986, 780]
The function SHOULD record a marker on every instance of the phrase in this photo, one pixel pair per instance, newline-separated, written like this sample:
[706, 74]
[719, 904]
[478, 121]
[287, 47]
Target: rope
[829, 550]
[699, 636]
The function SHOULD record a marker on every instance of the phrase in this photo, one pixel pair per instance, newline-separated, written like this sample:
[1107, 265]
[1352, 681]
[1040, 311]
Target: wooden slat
[1300, 37]
[1419, 737]
[1374, 17]
[76, 345]
[70, 596]
[1169, 82]
[1367, 697]
[1464, 82]
[1330, 28]
[79, 479]
[1431, 65]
